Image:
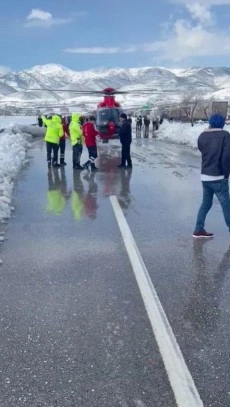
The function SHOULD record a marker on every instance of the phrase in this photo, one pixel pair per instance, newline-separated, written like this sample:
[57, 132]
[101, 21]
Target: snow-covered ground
[24, 123]
[180, 133]
[10, 121]
[14, 142]
[13, 146]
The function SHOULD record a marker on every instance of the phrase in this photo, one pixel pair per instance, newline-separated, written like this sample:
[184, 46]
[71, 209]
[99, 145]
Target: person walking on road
[76, 138]
[125, 135]
[214, 145]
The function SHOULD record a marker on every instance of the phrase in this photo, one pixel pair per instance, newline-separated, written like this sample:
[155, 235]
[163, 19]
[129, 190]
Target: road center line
[182, 384]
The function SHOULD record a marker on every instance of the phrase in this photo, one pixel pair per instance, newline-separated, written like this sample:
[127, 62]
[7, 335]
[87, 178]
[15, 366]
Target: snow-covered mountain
[15, 86]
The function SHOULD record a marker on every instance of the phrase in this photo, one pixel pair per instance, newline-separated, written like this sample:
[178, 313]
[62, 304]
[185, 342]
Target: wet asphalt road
[74, 330]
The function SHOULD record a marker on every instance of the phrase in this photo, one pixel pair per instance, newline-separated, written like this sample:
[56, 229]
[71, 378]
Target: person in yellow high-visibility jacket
[76, 138]
[54, 131]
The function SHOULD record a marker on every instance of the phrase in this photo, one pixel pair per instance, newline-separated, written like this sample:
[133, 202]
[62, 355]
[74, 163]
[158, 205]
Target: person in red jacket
[90, 134]
[62, 141]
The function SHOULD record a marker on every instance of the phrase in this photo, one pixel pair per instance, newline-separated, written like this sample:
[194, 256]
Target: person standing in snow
[90, 134]
[125, 135]
[52, 138]
[76, 138]
[214, 145]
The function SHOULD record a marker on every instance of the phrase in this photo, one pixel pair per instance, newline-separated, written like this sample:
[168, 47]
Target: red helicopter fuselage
[108, 115]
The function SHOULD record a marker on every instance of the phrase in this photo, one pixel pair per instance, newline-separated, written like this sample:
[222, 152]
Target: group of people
[213, 143]
[58, 129]
[146, 122]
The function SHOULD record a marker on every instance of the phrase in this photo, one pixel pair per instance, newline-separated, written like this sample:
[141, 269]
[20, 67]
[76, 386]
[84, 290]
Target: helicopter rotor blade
[83, 92]
[102, 92]
[67, 90]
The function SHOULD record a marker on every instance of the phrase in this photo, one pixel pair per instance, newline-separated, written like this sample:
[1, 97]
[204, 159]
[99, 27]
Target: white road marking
[181, 381]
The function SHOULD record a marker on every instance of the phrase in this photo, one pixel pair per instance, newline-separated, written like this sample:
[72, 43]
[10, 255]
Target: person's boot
[86, 165]
[78, 167]
[130, 164]
[56, 165]
[93, 167]
[62, 162]
[49, 164]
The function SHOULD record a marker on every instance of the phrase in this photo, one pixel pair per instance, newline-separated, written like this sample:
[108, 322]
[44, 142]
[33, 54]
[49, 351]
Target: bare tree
[206, 106]
[168, 109]
[189, 103]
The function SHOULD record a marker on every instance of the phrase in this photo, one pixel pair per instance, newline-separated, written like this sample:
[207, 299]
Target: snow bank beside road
[35, 131]
[13, 147]
[25, 124]
[180, 133]
[11, 121]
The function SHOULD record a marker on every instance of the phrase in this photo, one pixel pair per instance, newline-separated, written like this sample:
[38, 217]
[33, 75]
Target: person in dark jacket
[214, 145]
[40, 122]
[146, 126]
[130, 119]
[125, 135]
[138, 126]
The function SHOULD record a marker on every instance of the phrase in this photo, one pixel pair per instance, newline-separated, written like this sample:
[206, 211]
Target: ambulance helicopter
[108, 110]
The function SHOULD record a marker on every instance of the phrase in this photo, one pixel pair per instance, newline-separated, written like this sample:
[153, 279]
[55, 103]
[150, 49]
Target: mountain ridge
[15, 86]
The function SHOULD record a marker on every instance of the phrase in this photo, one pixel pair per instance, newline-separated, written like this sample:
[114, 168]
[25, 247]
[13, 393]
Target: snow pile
[35, 131]
[13, 147]
[11, 121]
[180, 133]
[24, 123]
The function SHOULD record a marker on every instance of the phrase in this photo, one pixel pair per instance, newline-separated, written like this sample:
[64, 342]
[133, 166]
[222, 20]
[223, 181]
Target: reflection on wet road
[74, 329]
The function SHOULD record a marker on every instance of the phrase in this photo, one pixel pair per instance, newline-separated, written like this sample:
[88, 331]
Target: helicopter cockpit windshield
[106, 115]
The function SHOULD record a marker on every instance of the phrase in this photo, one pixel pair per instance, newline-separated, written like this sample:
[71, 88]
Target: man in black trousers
[125, 135]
